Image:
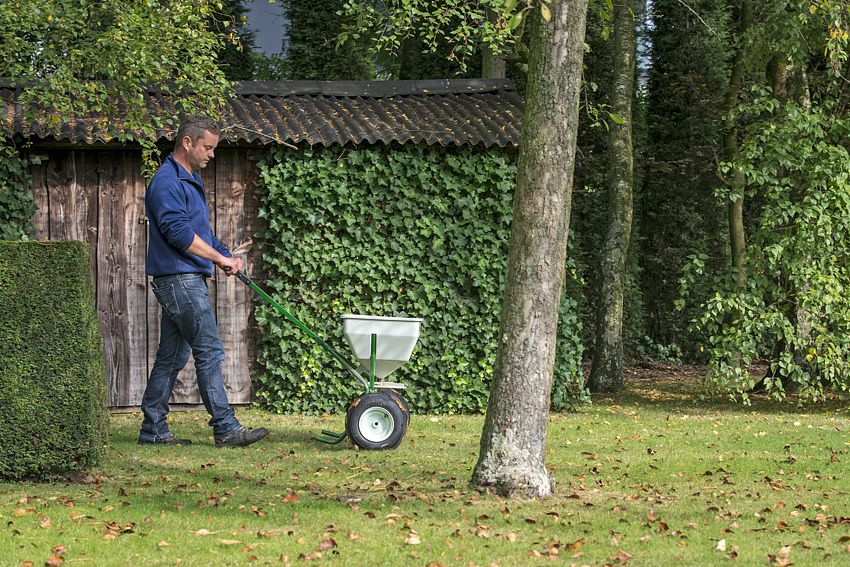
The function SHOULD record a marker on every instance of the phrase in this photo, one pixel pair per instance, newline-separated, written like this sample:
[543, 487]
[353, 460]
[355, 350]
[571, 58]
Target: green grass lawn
[649, 477]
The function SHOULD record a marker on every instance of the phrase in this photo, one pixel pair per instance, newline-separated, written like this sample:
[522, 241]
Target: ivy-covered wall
[393, 231]
[16, 205]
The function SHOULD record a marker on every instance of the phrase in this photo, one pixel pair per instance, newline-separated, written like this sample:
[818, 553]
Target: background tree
[311, 51]
[676, 212]
[793, 158]
[236, 57]
[607, 371]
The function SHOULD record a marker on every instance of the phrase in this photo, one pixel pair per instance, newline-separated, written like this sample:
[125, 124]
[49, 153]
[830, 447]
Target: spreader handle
[294, 320]
[242, 277]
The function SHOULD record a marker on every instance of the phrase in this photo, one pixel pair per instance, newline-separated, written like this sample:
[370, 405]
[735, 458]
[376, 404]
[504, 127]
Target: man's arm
[204, 250]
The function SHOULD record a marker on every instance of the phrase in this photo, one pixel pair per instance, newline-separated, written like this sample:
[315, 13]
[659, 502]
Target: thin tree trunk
[513, 442]
[730, 147]
[606, 374]
[492, 66]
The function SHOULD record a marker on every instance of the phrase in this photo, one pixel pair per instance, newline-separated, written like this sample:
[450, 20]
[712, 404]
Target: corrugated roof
[447, 112]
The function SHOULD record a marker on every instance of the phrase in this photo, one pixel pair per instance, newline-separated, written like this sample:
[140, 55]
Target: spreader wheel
[396, 395]
[375, 421]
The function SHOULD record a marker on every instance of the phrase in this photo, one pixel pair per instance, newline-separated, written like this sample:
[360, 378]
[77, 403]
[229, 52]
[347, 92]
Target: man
[181, 252]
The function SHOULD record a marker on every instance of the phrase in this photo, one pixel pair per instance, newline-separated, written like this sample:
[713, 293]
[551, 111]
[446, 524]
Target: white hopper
[396, 337]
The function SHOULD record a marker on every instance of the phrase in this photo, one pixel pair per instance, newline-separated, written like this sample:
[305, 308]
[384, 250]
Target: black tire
[375, 421]
[401, 402]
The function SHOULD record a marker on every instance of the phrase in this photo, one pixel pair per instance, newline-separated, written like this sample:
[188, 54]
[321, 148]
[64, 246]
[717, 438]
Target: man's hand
[231, 265]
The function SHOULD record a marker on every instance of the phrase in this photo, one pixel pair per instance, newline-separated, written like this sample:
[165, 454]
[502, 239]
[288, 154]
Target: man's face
[199, 154]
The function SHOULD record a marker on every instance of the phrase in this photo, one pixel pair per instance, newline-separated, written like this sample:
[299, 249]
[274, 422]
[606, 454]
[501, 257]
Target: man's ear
[186, 142]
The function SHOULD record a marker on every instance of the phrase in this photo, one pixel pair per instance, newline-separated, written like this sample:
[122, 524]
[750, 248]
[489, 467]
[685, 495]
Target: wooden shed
[90, 190]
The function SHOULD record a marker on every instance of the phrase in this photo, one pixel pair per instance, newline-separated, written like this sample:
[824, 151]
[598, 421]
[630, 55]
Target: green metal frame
[330, 437]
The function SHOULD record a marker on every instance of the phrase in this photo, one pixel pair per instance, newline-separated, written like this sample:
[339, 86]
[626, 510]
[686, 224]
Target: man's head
[196, 141]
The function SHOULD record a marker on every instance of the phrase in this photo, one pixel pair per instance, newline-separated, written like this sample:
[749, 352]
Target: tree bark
[513, 442]
[730, 147]
[606, 373]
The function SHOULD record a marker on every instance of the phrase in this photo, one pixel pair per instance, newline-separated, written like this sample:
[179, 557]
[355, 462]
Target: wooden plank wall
[98, 196]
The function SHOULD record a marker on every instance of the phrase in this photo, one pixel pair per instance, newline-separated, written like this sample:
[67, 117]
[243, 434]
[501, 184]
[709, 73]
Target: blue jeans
[187, 325]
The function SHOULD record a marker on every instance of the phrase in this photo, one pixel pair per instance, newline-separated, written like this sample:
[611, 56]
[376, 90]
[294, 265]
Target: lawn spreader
[378, 418]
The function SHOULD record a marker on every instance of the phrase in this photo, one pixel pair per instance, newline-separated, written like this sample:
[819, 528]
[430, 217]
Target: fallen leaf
[721, 545]
[327, 543]
[229, 541]
[413, 539]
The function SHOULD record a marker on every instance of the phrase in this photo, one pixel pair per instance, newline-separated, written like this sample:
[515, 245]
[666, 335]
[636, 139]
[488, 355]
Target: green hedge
[395, 231]
[52, 392]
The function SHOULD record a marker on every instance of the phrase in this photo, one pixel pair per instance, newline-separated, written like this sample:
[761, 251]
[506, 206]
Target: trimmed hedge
[52, 392]
[395, 231]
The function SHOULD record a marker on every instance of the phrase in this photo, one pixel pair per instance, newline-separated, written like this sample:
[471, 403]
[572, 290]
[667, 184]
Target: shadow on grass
[672, 388]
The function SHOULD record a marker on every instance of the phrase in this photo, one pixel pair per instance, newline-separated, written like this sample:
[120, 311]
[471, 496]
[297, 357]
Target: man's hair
[194, 126]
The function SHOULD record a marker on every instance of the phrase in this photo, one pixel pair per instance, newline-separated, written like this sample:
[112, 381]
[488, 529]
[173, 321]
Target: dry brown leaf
[327, 543]
[413, 539]
[229, 541]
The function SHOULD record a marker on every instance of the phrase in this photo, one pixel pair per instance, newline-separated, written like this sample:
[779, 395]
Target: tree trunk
[730, 147]
[513, 442]
[492, 66]
[606, 374]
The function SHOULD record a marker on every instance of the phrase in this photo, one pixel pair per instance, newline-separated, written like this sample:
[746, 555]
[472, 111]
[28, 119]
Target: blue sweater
[176, 206]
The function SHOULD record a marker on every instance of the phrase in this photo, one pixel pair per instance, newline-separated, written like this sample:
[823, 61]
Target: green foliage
[676, 212]
[395, 231]
[417, 60]
[16, 204]
[795, 308]
[463, 25]
[235, 57]
[311, 49]
[85, 59]
[52, 393]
